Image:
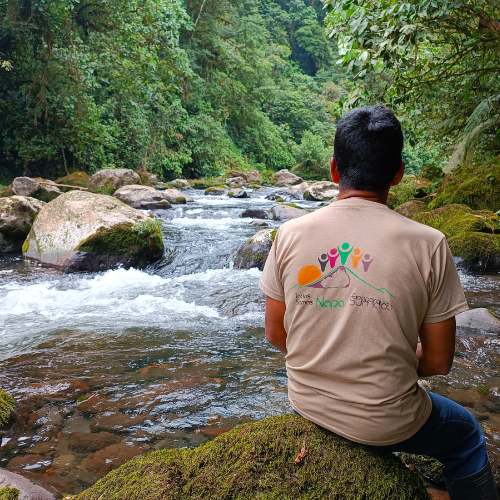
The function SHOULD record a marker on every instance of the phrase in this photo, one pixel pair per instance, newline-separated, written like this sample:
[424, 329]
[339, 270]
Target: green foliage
[313, 158]
[278, 458]
[7, 404]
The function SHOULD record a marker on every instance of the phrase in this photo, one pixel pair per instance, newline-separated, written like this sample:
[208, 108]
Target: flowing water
[112, 365]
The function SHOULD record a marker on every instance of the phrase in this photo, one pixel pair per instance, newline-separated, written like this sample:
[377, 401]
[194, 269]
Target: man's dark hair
[368, 147]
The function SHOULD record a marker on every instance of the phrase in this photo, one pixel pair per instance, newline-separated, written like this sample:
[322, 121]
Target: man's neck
[377, 197]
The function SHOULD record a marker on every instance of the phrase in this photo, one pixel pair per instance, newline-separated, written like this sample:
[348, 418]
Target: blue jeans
[451, 435]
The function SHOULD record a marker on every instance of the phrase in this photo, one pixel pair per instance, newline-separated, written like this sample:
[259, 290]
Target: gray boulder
[237, 193]
[41, 189]
[285, 178]
[322, 191]
[253, 213]
[253, 176]
[479, 319]
[236, 181]
[214, 191]
[81, 231]
[285, 194]
[109, 180]
[175, 197]
[17, 214]
[181, 184]
[27, 490]
[145, 197]
[286, 212]
[299, 188]
[255, 251]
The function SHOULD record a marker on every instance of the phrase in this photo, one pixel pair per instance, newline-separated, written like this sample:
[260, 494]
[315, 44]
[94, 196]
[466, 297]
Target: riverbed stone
[479, 319]
[181, 184]
[80, 179]
[479, 252]
[214, 191]
[27, 490]
[90, 442]
[321, 191]
[144, 197]
[238, 193]
[109, 180]
[284, 194]
[41, 189]
[285, 178]
[286, 212]
[117, 422]
[176, 197]
[81, 231]
[17, 214]
[254, 252]
[236, 182]
[254, 213]
[299, 188]
[464, 397]
[279, 457]
[147, 178]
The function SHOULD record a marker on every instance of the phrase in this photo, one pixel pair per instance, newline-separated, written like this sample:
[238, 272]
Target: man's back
[358, 280]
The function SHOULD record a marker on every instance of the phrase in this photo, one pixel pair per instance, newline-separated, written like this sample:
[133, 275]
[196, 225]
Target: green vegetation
[477, 246]
[276, 458]
[7, 404]
[143, 240]
[7, 493]
[169, 87]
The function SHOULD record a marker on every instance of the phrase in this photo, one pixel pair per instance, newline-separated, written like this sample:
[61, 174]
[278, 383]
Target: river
[170, 356]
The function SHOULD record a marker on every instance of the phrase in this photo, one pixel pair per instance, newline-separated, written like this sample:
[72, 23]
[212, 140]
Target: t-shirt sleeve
[270, 282]
[446, 297]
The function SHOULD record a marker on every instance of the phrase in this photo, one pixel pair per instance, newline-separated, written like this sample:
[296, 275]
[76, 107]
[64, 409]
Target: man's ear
[334, 171]
[399, 176]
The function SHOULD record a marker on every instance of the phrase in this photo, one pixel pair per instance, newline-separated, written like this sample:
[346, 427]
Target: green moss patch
[7, 403]
[409, 188]
[80, 179]
[476, 246]
[279, 458]
[273, 234]
[7, 493]
[477, 186]
[142, 240]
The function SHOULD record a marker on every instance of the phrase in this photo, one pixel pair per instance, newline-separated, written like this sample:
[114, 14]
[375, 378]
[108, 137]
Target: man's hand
[275, 330]
[437, 347]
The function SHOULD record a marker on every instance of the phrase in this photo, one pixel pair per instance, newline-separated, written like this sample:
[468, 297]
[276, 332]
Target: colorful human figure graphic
[366, 262]
[356, 257]
[333, 255]
[344, 252]
[323, 261]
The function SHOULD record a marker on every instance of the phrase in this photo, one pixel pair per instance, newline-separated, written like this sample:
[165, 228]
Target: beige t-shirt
[358, 280]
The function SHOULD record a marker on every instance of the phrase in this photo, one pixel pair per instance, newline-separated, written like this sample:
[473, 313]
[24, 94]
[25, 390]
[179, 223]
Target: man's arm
[275, 329]
[437, 347]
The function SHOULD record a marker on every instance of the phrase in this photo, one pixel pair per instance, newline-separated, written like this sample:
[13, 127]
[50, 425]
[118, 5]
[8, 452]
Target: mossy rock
[429, 467]
[7, 493]
[409, 188]
[476, 251]
[80, 179]
[477, 186]
[455, 219]
[7, 404]
[279, 458]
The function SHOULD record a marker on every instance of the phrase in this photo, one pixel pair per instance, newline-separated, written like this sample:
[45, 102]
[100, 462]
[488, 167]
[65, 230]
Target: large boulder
[214, 191]
[322, 191]
[17, 214]
[299, 188]
[285, 457]
[410, 188]
[142, 197]
[286, 212]
[479, 319]
[21, 488]
[254, 213]
[181, 184]
[81, 231]
[285, 178]
[109, 180]
[235, 182]
[478, 252]
[147, 178]
[80, 179]
[176, 197]
[238, 193]
[41, 189]
[254, 252]
[253, 177]
[284, 194]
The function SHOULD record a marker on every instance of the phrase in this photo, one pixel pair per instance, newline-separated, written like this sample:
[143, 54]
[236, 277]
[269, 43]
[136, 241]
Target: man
[350, 288]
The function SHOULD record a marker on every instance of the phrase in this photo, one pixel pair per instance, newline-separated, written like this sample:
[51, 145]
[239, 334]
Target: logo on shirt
[337, 264]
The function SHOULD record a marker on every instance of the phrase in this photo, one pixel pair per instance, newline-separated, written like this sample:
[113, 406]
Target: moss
[261, 461]
[143, 240]
[7, 192]
[476, 246]
[230, 194]
[7, 403]
[280, 200]
[429, 467]
[273, 234]
[7, 493]
[483, 390]
[26, 245]
[75, 179]
[409, 188]
[477, 186]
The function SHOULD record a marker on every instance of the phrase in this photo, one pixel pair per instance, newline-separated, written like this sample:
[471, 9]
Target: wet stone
[464, 397]
[33, 463]
[253, 213]
[90, 442]
[45, 448]
[117, 422]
